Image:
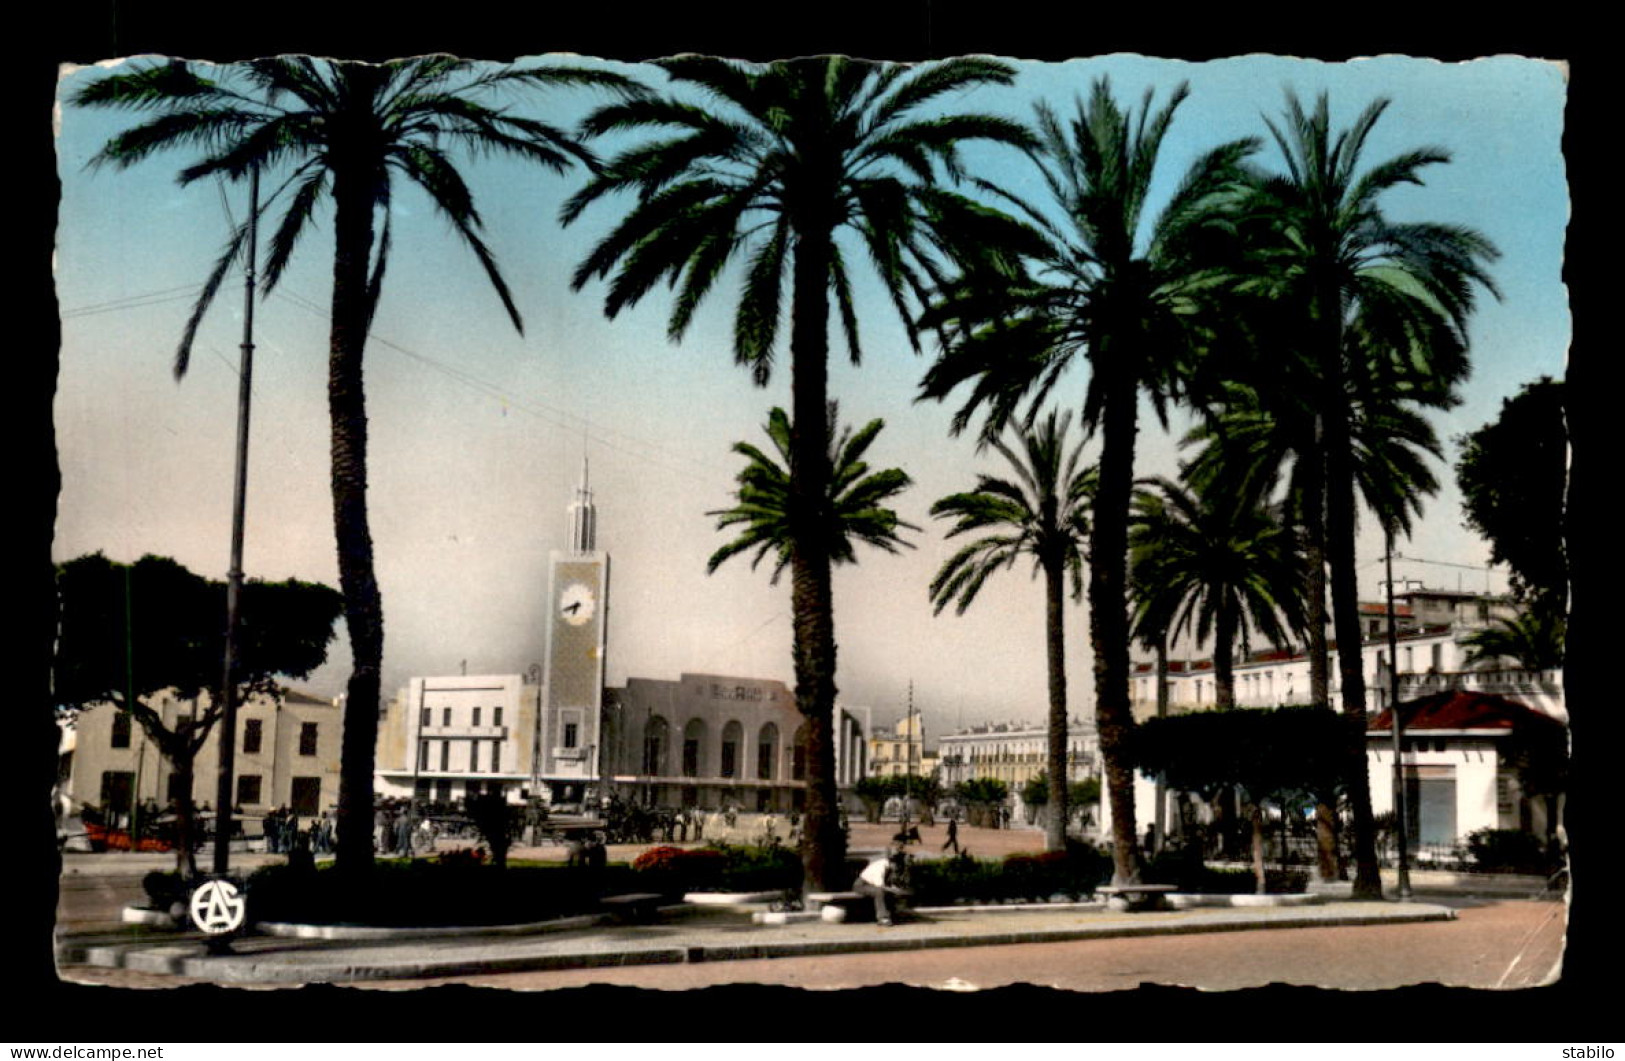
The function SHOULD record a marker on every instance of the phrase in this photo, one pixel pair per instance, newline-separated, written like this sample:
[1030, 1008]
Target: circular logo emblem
[217, 907]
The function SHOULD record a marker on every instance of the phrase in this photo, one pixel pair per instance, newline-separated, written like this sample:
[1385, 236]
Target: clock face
[576, 603]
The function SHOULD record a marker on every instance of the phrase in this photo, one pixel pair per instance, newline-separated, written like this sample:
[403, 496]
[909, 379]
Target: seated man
[882, 879]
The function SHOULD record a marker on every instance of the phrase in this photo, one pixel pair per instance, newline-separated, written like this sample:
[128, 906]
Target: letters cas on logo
[217, 907]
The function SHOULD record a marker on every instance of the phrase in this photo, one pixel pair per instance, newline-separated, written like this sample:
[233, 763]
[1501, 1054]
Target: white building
[1016, 752]
[287, 755]
[712, 741]
[1454, 769]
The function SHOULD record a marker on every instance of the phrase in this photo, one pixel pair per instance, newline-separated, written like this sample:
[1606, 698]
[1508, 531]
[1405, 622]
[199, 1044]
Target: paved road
[1496, 945]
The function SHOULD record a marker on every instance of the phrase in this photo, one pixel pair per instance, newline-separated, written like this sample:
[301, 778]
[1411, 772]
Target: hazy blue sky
[478, 433]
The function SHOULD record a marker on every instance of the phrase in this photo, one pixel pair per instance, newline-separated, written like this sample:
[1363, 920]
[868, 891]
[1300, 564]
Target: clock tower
[568, 726]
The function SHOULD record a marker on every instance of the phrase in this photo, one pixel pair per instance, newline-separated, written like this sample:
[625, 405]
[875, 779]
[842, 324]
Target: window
[445, 756]
[116, 788]
[424, 719]
[571, 734]
[496, 756]
[253, 736]
[473, 756]
[476, 717]
[307, 738]
[730, 752]
[691, 757]
[445, 717]
[423, 755]
[496, 716]
[121, 730]
[764, 761]
[248, 790]
[306, 795]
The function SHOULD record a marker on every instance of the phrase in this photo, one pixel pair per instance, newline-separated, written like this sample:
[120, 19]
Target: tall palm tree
[1117, 286]
[1532, 640]
[777, 168]
[1214, 566]
[858, 502]
[1042, 513]
[346, 133]
[1384, 308]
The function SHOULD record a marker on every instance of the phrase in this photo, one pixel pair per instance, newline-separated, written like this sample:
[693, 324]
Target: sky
[479, 433]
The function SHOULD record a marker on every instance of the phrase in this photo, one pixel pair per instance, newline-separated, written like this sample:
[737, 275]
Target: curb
[190, 959]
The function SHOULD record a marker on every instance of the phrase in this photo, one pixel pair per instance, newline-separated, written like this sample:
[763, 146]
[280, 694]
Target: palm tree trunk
[1260, 874]
[1108, 613]
[812, 594]
[1055, 634]
[363, 605]
[1320, 694]
[1350, 658]
[1224, 658]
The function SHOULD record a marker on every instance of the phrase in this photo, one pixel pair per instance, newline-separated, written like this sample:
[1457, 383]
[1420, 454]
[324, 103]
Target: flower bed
[453, 892]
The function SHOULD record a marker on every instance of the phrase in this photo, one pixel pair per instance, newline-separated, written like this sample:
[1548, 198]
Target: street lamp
[224, 796]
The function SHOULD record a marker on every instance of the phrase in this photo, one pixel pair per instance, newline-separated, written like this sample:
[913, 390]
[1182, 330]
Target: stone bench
[1136, 896]
[837, 906]
[633, 906]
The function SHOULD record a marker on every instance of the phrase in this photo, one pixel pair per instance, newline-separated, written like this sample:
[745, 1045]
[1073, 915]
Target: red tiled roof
[1458, 709]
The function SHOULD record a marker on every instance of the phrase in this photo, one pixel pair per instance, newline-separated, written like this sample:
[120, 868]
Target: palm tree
[1383, 307]
[1261, 434]
[775, 169]
[1042, 513]
[1119, 287]
[347, 131]
[857, 505]
[1532, 640]
[1210, 565]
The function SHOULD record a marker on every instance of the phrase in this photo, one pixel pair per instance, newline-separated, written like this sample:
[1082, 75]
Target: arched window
[656, 739]
[733, 738]
[798, 754]
[767, 752]
[693, 747]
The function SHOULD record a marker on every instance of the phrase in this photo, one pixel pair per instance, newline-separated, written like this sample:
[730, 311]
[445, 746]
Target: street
[1498, 945]
[1493, 944]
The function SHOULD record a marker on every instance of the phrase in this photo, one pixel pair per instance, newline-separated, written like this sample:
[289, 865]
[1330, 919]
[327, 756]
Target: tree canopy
[154, 625]
[1512, 474]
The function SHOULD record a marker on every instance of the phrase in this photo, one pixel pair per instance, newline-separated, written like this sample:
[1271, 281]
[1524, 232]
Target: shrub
[163, 889]
[675, 870]
[1185, 870]
[757, 868]
[1016, 878]
[432, 893]
[1508, 851]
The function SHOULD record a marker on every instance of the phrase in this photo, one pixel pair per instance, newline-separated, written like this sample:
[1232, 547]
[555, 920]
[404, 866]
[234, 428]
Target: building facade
[1015, 753]
[903, 750]
[287, 755]
[715, 741]
[443, 739]
[1460, 776]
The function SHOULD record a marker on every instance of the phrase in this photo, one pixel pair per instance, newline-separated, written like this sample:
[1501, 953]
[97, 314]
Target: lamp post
[224, 796]
[1403, 866]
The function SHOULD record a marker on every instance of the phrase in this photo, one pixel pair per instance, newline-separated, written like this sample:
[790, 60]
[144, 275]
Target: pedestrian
[882, 880]
[953, 835]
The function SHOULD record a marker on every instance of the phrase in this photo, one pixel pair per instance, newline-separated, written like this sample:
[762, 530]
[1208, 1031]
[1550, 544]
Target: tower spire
[583, 517]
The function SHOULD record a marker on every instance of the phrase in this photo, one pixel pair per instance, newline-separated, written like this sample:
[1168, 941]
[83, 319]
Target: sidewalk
[685, 935]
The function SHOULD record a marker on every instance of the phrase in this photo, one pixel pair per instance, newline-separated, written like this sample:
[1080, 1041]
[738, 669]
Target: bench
[1136, 896]
[633, 906]
[838, 906]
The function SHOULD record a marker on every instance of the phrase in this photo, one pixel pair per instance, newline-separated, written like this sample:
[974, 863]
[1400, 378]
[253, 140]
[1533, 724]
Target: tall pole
[1393, 724]
[234, 577]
